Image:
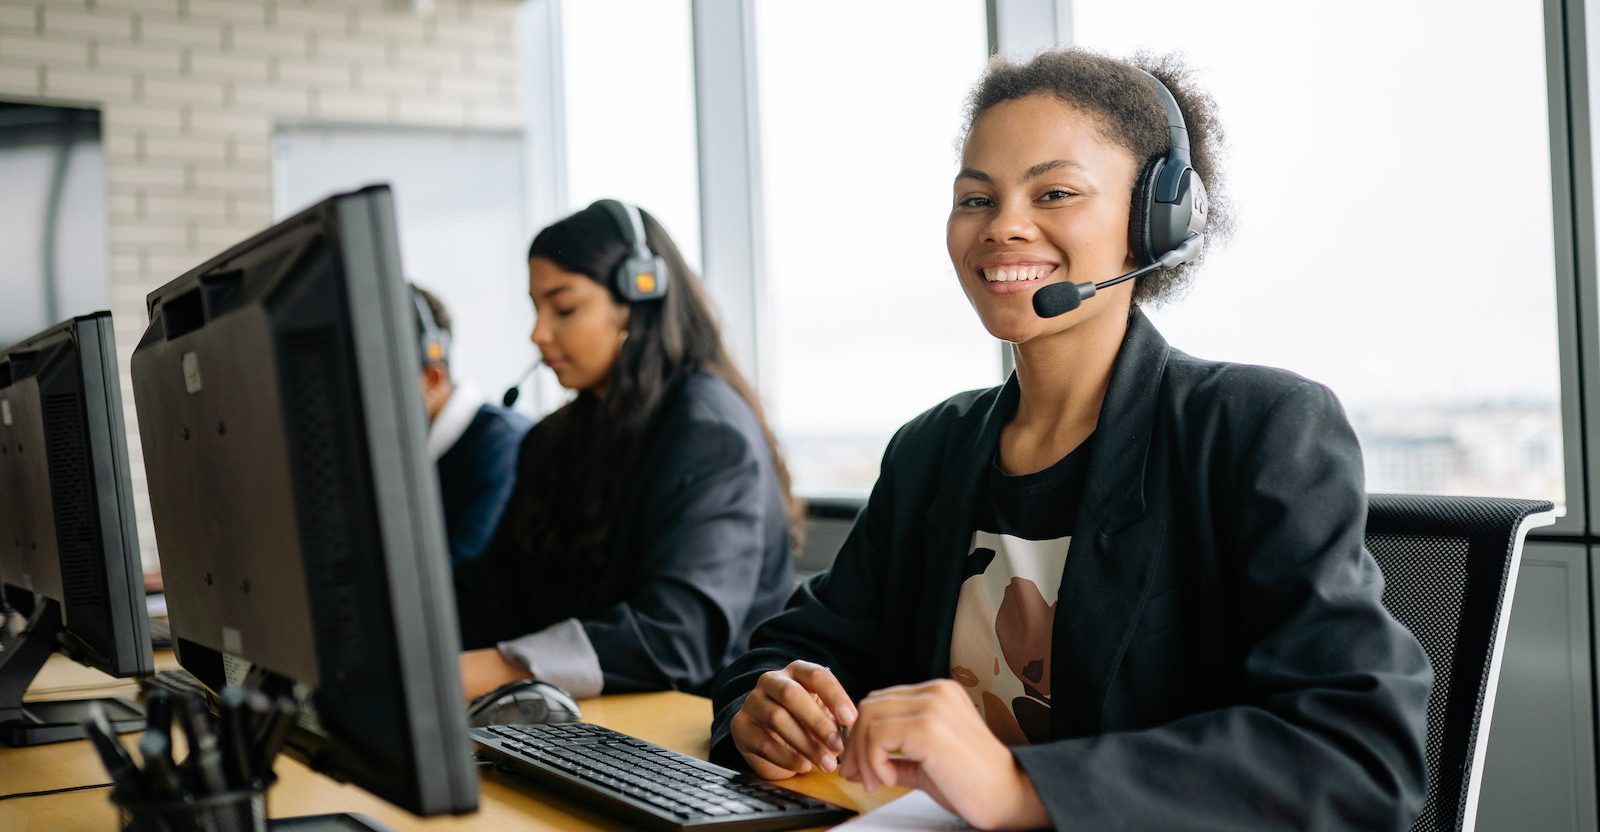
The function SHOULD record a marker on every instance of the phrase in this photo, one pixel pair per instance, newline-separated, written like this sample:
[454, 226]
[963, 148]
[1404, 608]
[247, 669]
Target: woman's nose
[1011, 223]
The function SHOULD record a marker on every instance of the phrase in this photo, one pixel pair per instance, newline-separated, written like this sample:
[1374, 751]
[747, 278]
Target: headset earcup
[625, 278]
[1144, 189]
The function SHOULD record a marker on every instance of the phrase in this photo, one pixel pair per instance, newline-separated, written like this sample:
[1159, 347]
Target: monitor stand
[37, 723]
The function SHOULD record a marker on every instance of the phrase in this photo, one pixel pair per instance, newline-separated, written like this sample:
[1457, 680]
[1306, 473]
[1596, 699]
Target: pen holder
[242, 810]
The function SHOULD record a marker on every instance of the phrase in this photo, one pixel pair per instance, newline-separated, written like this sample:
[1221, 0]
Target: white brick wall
[190, 91]
[18, 18]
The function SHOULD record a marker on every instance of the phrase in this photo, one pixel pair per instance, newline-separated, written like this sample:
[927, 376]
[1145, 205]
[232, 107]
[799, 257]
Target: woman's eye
[975, 202]
[563, 313]
[1055, 195]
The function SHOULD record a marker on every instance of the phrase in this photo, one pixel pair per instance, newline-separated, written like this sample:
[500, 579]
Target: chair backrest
[1450, 571]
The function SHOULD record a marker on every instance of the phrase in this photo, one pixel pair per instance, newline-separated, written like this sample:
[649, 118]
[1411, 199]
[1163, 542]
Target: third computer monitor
[69, 547]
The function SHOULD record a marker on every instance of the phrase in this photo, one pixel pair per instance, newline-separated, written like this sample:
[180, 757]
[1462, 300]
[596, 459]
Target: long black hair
[589, 450]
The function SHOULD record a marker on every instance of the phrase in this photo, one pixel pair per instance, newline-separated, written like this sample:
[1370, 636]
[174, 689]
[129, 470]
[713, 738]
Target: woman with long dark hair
[1126, 589]
[652, 525]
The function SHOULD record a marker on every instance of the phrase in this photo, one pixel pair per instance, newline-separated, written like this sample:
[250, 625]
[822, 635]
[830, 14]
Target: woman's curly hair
[1131, 115]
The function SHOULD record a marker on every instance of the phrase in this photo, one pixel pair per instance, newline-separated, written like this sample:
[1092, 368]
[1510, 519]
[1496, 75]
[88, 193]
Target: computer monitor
[296, 511]
[69, 547]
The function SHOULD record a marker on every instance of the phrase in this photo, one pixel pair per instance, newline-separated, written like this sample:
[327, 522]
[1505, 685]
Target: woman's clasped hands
[926, 736]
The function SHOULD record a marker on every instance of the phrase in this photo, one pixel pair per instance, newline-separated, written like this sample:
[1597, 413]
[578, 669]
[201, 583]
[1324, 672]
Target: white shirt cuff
[561, 655]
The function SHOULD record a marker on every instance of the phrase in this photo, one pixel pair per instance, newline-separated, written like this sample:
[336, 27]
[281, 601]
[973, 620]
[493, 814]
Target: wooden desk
[676, 720]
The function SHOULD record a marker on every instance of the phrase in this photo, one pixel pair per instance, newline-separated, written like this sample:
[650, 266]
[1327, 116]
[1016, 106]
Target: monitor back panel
[29, 563]
[297, 512]
[67, 530]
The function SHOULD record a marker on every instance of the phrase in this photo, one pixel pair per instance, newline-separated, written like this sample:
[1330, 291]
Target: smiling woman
[1127, 588]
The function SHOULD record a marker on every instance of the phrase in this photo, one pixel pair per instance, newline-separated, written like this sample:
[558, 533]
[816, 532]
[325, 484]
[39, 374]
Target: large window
[459, 207]
[860, 109]
[1395, 235]
[630, 113]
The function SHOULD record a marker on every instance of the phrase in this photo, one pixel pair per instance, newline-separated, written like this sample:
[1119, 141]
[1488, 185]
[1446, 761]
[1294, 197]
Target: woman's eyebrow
[556, 291]
[1054, 164]
[1037, 170]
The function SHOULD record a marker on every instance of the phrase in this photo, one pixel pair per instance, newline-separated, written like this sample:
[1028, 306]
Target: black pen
[158, 712]
[161, 780]
[124, 775]
[203, 766]
[274, 730]
[234, 708]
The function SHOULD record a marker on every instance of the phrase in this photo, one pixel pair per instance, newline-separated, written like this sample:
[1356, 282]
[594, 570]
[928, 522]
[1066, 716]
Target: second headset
[641, 276]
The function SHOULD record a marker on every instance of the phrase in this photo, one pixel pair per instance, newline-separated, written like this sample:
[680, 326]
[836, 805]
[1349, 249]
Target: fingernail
[805, 766]
[829, 763]
[835, 743]
[847, 714]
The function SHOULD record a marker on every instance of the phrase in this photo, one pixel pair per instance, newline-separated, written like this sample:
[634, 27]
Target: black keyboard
[652, 787]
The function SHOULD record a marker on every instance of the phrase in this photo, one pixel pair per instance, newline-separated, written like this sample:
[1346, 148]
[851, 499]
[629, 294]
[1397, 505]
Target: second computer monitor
[295, 507]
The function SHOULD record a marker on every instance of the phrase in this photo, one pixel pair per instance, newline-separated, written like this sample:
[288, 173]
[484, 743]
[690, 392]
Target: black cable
[55, 791]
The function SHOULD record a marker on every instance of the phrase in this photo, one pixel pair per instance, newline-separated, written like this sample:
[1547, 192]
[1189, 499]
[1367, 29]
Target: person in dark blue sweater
[473, 442]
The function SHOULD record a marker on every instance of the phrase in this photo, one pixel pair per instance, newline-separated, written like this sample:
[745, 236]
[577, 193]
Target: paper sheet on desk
[914, 811]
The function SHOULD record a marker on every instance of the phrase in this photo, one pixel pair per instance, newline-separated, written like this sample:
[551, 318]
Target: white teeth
[1008, 275]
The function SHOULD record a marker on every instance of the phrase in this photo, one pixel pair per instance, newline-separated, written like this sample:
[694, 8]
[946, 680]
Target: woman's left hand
[484, 670]
[931, 737]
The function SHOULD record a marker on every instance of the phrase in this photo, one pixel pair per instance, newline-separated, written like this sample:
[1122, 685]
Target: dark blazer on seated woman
[699, 554]
[1220, 657]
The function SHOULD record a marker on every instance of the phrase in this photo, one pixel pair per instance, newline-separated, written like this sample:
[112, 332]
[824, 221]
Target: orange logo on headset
[645, 282]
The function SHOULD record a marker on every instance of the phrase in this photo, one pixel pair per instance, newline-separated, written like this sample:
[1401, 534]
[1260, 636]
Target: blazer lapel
[947, 525]
[1114, 545]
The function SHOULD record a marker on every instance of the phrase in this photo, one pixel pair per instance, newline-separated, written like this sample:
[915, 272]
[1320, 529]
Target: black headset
[434, 341]
[1166, 220]
[1169, 200]
[641, 276]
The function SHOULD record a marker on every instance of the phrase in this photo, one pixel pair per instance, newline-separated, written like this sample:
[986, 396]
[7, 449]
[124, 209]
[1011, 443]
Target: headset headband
[1178, 131]
[435, 342]
[631, 223]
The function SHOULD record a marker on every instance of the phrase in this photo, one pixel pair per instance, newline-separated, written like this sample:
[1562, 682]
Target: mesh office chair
[1450, 570]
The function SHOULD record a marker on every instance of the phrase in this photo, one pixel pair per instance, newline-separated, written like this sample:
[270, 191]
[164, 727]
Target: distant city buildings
[1503, 449]
[1506, 449]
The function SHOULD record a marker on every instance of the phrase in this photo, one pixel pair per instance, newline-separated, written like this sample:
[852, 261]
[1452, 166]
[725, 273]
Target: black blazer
[700, 553]
[1220, 656]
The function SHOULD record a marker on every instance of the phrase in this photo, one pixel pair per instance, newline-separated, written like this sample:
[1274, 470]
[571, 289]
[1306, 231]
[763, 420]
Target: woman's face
[577, 327]
[1042, 197]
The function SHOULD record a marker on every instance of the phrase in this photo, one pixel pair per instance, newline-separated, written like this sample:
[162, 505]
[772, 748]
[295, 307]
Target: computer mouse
[523, 702]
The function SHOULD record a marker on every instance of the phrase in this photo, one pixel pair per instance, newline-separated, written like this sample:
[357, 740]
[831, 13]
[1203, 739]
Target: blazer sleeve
[1330, 734]
[830, 619]
[702, 560]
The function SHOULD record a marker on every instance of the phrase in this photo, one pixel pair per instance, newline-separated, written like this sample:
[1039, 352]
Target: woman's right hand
[792, 721]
